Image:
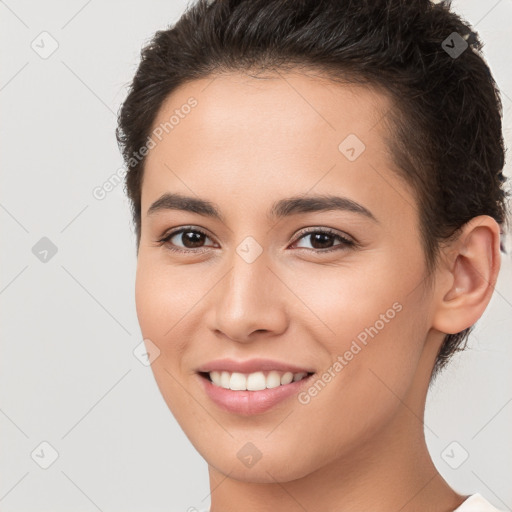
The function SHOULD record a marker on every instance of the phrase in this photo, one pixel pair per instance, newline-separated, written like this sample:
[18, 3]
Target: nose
[248, 302]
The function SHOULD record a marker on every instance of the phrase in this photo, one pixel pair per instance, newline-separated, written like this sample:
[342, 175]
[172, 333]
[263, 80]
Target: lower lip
[250, 402]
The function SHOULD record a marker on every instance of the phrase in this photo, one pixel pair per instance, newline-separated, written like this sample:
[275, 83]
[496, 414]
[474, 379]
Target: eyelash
[346, 242]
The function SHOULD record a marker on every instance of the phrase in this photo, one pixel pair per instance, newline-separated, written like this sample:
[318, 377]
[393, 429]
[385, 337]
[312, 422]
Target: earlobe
[472, 268]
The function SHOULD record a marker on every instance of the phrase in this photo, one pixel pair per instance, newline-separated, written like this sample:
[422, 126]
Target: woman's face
[330, 287]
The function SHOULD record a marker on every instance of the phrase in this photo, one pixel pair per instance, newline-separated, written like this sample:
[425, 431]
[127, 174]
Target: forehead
[293, 104]
[277, 135]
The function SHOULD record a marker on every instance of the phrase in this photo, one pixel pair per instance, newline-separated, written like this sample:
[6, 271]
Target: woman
[317, 192]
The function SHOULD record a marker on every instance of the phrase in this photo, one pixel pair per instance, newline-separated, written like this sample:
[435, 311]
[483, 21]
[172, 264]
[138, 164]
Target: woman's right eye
[190, 239]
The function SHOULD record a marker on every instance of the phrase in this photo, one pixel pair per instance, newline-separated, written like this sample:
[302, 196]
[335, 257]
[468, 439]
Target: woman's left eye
[322, 240]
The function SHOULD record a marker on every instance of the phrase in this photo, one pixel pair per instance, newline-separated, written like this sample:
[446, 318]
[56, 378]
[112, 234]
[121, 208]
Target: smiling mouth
[256, 381]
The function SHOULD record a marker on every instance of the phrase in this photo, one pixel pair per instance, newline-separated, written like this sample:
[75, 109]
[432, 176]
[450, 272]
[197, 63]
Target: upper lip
[251, 366]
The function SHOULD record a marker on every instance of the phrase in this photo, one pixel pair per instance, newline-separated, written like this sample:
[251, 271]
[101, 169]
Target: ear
[468, 271]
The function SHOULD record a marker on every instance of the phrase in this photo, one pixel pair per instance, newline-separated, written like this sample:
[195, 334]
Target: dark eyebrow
[185, 203]
[318, 203]
[281, 208]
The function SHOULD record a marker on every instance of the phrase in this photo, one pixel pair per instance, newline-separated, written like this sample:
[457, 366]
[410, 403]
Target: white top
[476, 503]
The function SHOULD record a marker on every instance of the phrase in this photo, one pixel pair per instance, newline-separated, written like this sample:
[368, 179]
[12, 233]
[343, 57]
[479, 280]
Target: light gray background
[69, 326]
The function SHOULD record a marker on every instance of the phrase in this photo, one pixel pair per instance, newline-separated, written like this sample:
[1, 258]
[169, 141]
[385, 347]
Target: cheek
[376, 329]
[161, 303]
[163, 296]
[162, 299]
[360, 299]
[150, 300]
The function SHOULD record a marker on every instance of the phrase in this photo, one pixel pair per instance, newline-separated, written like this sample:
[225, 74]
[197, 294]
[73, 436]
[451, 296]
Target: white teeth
[215, 376]
[287, 378]
[273, 379]
[224, 380]
[238, 381]
[256, 381]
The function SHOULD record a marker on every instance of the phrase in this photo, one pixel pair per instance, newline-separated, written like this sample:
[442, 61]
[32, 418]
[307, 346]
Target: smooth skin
[358, 445]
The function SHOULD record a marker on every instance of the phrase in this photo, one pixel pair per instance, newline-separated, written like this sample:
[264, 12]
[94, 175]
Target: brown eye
[191, 239]
[185, 240]
[323, 240]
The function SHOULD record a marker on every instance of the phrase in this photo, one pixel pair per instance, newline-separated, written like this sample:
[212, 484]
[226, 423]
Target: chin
[261, 473]
[278, 465]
